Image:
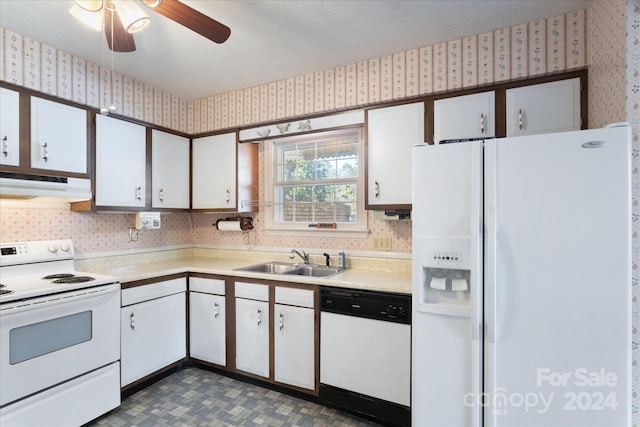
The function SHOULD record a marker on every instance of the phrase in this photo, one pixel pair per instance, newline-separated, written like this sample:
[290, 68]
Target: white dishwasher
[365, 353]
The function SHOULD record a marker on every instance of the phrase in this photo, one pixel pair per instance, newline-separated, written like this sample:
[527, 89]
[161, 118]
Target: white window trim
[359, 230]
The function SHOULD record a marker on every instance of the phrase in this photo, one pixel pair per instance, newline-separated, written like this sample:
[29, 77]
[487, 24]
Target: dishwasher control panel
[371, 305]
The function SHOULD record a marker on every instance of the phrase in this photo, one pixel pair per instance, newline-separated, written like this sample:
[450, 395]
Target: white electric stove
[54, 316]
[30, 269]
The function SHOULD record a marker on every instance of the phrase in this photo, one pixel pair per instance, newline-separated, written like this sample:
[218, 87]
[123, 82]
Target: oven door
[47, 340]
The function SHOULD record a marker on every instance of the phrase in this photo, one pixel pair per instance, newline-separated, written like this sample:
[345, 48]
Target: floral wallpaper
[632, 98]
[614, 95]
[554, 44]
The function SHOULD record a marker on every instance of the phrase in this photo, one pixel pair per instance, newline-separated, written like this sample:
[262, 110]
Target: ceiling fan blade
[194, 20]
[120, 40]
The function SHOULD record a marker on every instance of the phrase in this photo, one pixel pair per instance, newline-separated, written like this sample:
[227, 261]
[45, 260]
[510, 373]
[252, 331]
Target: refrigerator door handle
[489, 289]
[476, 186]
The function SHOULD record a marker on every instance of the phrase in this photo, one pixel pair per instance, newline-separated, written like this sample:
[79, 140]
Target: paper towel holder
[245, 222]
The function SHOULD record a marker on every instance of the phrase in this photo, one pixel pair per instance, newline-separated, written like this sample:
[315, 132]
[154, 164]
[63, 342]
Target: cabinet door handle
[520, 119]
[132, 324]
[259, 317]
[5, 146]
[138, 193]
[228, 195]
[482, 123]
[162, 194]
[45, 152]
[377, 189]
[281, 321]
[216, 310]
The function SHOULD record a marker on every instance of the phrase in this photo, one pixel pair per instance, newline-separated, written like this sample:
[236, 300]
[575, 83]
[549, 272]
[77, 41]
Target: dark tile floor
[196, 397]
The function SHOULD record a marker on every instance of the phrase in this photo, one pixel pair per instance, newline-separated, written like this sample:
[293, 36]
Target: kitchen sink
[270, 267]
[313, 271]
[293, 269]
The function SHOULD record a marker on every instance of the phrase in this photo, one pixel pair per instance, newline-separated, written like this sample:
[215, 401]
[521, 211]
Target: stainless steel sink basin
[275, 267]
[313, 271]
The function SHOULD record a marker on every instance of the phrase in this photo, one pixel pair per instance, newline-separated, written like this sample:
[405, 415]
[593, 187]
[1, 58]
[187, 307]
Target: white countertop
[385, 280]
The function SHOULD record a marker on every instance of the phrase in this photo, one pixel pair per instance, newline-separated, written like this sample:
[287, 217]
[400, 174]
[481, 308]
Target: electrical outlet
[382, 243]
[133, 234]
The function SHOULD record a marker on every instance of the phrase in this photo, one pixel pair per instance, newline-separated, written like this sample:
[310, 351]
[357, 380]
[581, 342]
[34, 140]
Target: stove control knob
[65, 247]
[53, 248]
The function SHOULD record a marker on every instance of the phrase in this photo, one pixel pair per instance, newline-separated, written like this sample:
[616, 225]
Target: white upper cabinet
[214, 172]
[9, 127]
[170, 170]
[120, 163]
[544, 108]
[391, 134]
[461, 117]
[58, 136]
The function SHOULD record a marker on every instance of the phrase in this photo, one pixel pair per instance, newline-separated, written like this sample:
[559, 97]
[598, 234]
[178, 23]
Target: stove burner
[5, 291]
[58, 276]
[74, 279]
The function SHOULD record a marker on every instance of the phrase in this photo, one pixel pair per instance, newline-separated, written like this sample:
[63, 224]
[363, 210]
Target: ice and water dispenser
[445, 285]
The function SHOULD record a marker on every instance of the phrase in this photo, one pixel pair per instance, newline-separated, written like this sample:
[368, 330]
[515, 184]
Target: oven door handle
[16, 307]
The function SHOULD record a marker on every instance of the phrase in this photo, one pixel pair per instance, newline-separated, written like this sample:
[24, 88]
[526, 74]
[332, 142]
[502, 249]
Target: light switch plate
[382, 243]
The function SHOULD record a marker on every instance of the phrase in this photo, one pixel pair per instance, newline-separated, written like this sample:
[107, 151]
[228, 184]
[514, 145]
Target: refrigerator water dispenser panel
[445, 286]
[445, 282]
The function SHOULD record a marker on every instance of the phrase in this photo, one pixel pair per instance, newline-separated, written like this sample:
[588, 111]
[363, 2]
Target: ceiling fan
[121, 18]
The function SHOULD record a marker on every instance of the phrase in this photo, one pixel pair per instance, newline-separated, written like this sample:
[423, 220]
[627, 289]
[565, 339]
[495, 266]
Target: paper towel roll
[228, 225]
[439, 283]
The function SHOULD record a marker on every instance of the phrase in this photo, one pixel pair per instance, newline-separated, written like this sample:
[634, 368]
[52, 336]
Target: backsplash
[91, 232]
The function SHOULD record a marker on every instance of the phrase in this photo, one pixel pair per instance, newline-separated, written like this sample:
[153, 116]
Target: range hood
[28, 187]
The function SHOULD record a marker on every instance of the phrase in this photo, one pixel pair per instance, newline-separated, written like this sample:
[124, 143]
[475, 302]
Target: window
[317, 179]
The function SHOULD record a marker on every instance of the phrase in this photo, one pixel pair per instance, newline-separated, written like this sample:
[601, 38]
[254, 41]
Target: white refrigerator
[522, 281]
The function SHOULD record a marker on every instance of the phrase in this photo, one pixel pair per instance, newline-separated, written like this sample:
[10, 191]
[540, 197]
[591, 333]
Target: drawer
[252, 291]
[207, 286]
[153, 290]
[293, 296]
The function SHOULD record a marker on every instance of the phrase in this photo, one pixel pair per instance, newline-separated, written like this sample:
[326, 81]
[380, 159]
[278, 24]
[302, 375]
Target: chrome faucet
[303, 255]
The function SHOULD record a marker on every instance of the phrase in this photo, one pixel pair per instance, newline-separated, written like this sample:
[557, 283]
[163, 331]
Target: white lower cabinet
[207, 320]
[294, 343]
[153, 328]
[252, 328]
[294, 337]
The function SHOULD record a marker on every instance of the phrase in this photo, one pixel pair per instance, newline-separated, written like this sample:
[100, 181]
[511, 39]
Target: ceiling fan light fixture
[91, 19]
[132, 17]
[90, 5]
[152, 3]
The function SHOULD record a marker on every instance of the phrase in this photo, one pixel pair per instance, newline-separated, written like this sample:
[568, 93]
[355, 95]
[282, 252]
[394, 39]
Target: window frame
[358, 229]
